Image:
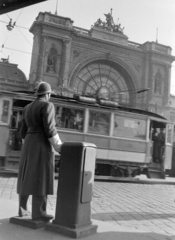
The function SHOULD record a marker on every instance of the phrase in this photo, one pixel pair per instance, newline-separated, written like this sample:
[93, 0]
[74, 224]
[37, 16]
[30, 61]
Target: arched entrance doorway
[105, 79]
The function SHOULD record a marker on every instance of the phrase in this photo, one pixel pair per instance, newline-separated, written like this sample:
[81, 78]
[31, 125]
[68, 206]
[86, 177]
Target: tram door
[15, 140]
[169, 146]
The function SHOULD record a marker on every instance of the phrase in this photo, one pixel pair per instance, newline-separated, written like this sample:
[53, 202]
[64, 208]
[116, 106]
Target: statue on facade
[109, 24]
[117, 28]
[51, 62]
[98, 23]
[109, 20]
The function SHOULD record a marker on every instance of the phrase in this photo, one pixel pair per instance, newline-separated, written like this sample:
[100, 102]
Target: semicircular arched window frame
[102, 80]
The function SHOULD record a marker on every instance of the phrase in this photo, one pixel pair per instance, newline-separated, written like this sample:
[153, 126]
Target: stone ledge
[28, 222]
[79, 232]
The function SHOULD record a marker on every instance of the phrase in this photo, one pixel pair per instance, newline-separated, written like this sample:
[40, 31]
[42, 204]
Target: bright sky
[140, 18]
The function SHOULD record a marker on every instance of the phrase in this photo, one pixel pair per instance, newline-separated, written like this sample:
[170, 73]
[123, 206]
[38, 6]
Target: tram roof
[30, 94]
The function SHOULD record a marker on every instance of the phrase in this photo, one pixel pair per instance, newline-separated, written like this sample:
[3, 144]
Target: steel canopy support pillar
[74, 195]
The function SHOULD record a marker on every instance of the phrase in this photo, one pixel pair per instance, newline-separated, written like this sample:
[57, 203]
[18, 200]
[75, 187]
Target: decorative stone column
[64, 62]
[145, 82]
[40, 59]
[166, 85]
[151, 83]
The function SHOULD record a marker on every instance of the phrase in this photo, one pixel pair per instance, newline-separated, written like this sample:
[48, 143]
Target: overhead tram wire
[18, 15]
[6, 39]
[4, 53]
[8, 16]
[15, 25]
[24, 36]
[38, 55]
[28, 41]
[43, 57]
[8, 31]
[125, 57]
[17, 50]
[25, 39]
[23, 8]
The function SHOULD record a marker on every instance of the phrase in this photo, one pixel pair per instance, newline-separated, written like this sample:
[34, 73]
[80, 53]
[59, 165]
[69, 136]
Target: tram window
[129, 127]
[5, 111]
[99, 122]
[69, 118]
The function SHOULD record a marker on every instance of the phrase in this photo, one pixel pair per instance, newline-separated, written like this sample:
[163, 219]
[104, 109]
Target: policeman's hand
[56, 143]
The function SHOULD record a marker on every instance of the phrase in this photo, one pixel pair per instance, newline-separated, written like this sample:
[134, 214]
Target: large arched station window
[105, 80]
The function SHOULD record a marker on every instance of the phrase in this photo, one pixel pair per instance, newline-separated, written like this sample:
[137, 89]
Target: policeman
[36, 167]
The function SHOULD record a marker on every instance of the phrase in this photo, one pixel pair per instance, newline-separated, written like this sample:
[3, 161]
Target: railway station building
[100, 62]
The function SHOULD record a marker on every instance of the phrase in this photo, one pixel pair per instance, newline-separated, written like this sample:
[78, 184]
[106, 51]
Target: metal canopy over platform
[12, 5]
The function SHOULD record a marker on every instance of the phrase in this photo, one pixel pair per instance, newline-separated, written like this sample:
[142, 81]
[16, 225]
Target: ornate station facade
[100, 62]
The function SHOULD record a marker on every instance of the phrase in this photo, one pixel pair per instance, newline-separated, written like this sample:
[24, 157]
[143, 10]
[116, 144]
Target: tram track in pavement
[140, 179]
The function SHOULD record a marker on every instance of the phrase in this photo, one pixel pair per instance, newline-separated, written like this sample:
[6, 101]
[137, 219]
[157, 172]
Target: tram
[125, 137]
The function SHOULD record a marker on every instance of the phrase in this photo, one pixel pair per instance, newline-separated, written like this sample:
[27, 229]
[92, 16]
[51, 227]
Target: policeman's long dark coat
[36, 168]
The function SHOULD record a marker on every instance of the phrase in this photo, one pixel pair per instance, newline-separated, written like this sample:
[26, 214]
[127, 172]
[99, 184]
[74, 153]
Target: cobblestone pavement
[144, 207]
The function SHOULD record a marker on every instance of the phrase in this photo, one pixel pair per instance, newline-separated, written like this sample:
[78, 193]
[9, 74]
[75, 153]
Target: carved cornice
[161, 64]
[47, 36]
[45, 25]
[57, 29]
[159, 57]
[65, 41]
[80, 37]
[77, 37]
[109, 46]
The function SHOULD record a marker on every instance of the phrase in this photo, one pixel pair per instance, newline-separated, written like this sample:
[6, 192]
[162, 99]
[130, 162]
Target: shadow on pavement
[126, 216]
[108, 231]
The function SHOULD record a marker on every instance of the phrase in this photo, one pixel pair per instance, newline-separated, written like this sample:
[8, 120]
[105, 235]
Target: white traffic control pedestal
[74, 194]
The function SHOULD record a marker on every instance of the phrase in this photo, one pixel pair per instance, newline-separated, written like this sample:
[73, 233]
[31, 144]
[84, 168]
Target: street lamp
[10, 26]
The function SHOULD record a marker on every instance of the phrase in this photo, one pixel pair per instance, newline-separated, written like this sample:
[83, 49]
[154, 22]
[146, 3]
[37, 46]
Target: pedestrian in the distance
[36, 167]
